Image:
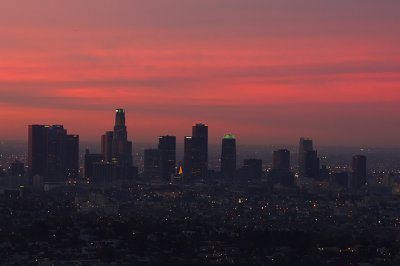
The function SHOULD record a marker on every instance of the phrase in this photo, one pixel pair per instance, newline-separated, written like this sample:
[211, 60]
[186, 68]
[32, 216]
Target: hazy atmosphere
[268, 71]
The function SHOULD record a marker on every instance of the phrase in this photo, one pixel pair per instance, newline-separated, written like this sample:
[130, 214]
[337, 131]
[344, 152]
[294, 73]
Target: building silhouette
[37, 150]
[359, 171]
[187, 157]
[106, 145]
[90, 160]
[312, 164]
[121, 149]
[167, 147]
[52, 153]
[309, 163]
[199, 151]
[281, 160]
[280, 172]
[196, 152]
[306, 145]
[228, 156]
[152, 164]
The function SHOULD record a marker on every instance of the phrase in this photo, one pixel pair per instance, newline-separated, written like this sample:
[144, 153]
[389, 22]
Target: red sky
[268, 71]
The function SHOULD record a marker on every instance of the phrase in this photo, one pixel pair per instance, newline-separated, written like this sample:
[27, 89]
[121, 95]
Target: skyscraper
[199, 151]
[305, 146]
[359, 171]
[37, 150]
[187, 157]
[228, 156]
[121, 147]
[312, 164]
[53, 154]
[71, 153]
[90, 160]
[106, 145]
[281, 160]
[152, 164]
[167, 147]
[280, 172]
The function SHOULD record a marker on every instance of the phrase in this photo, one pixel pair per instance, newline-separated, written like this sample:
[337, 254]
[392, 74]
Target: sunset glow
[267, 71]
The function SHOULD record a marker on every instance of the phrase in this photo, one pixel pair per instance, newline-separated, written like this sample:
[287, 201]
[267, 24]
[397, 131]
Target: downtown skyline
[266, 71]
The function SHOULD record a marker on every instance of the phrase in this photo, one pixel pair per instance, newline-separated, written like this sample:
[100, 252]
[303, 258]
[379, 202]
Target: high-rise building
[53, 154]
[167, 147]
[90, 160]
[312, 164]
[106, 145]
[187, 157]
[281, 160]
[37, 150]
[121, 147]
[199, 151]
[71, 147]
[305, 146]
[280, 172]
[359, 171]
[152, 164]
[228, 156]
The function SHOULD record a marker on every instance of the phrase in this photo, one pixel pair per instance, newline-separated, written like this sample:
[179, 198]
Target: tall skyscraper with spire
[121, 147]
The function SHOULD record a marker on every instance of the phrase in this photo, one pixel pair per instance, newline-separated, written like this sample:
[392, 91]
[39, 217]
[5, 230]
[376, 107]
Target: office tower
[90, 160]
[228, 156]
[106, 145]
[55, 136]
[281, 160]
[17, 168]
[305, 146]
[53, 154]
[280, 172]
[199, 151]
[187, 157]
[152, 164]
[253, 168]
[121, 147]
[37, 150]
[167, 147]
[359, 171]
[71, 156]
[312, 164]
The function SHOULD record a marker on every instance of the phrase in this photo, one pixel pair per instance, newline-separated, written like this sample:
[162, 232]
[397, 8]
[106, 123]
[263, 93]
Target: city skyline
[268, 71]
[213, 132]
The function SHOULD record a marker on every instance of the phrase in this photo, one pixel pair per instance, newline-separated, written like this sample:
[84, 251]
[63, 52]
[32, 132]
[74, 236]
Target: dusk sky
[267, 71]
